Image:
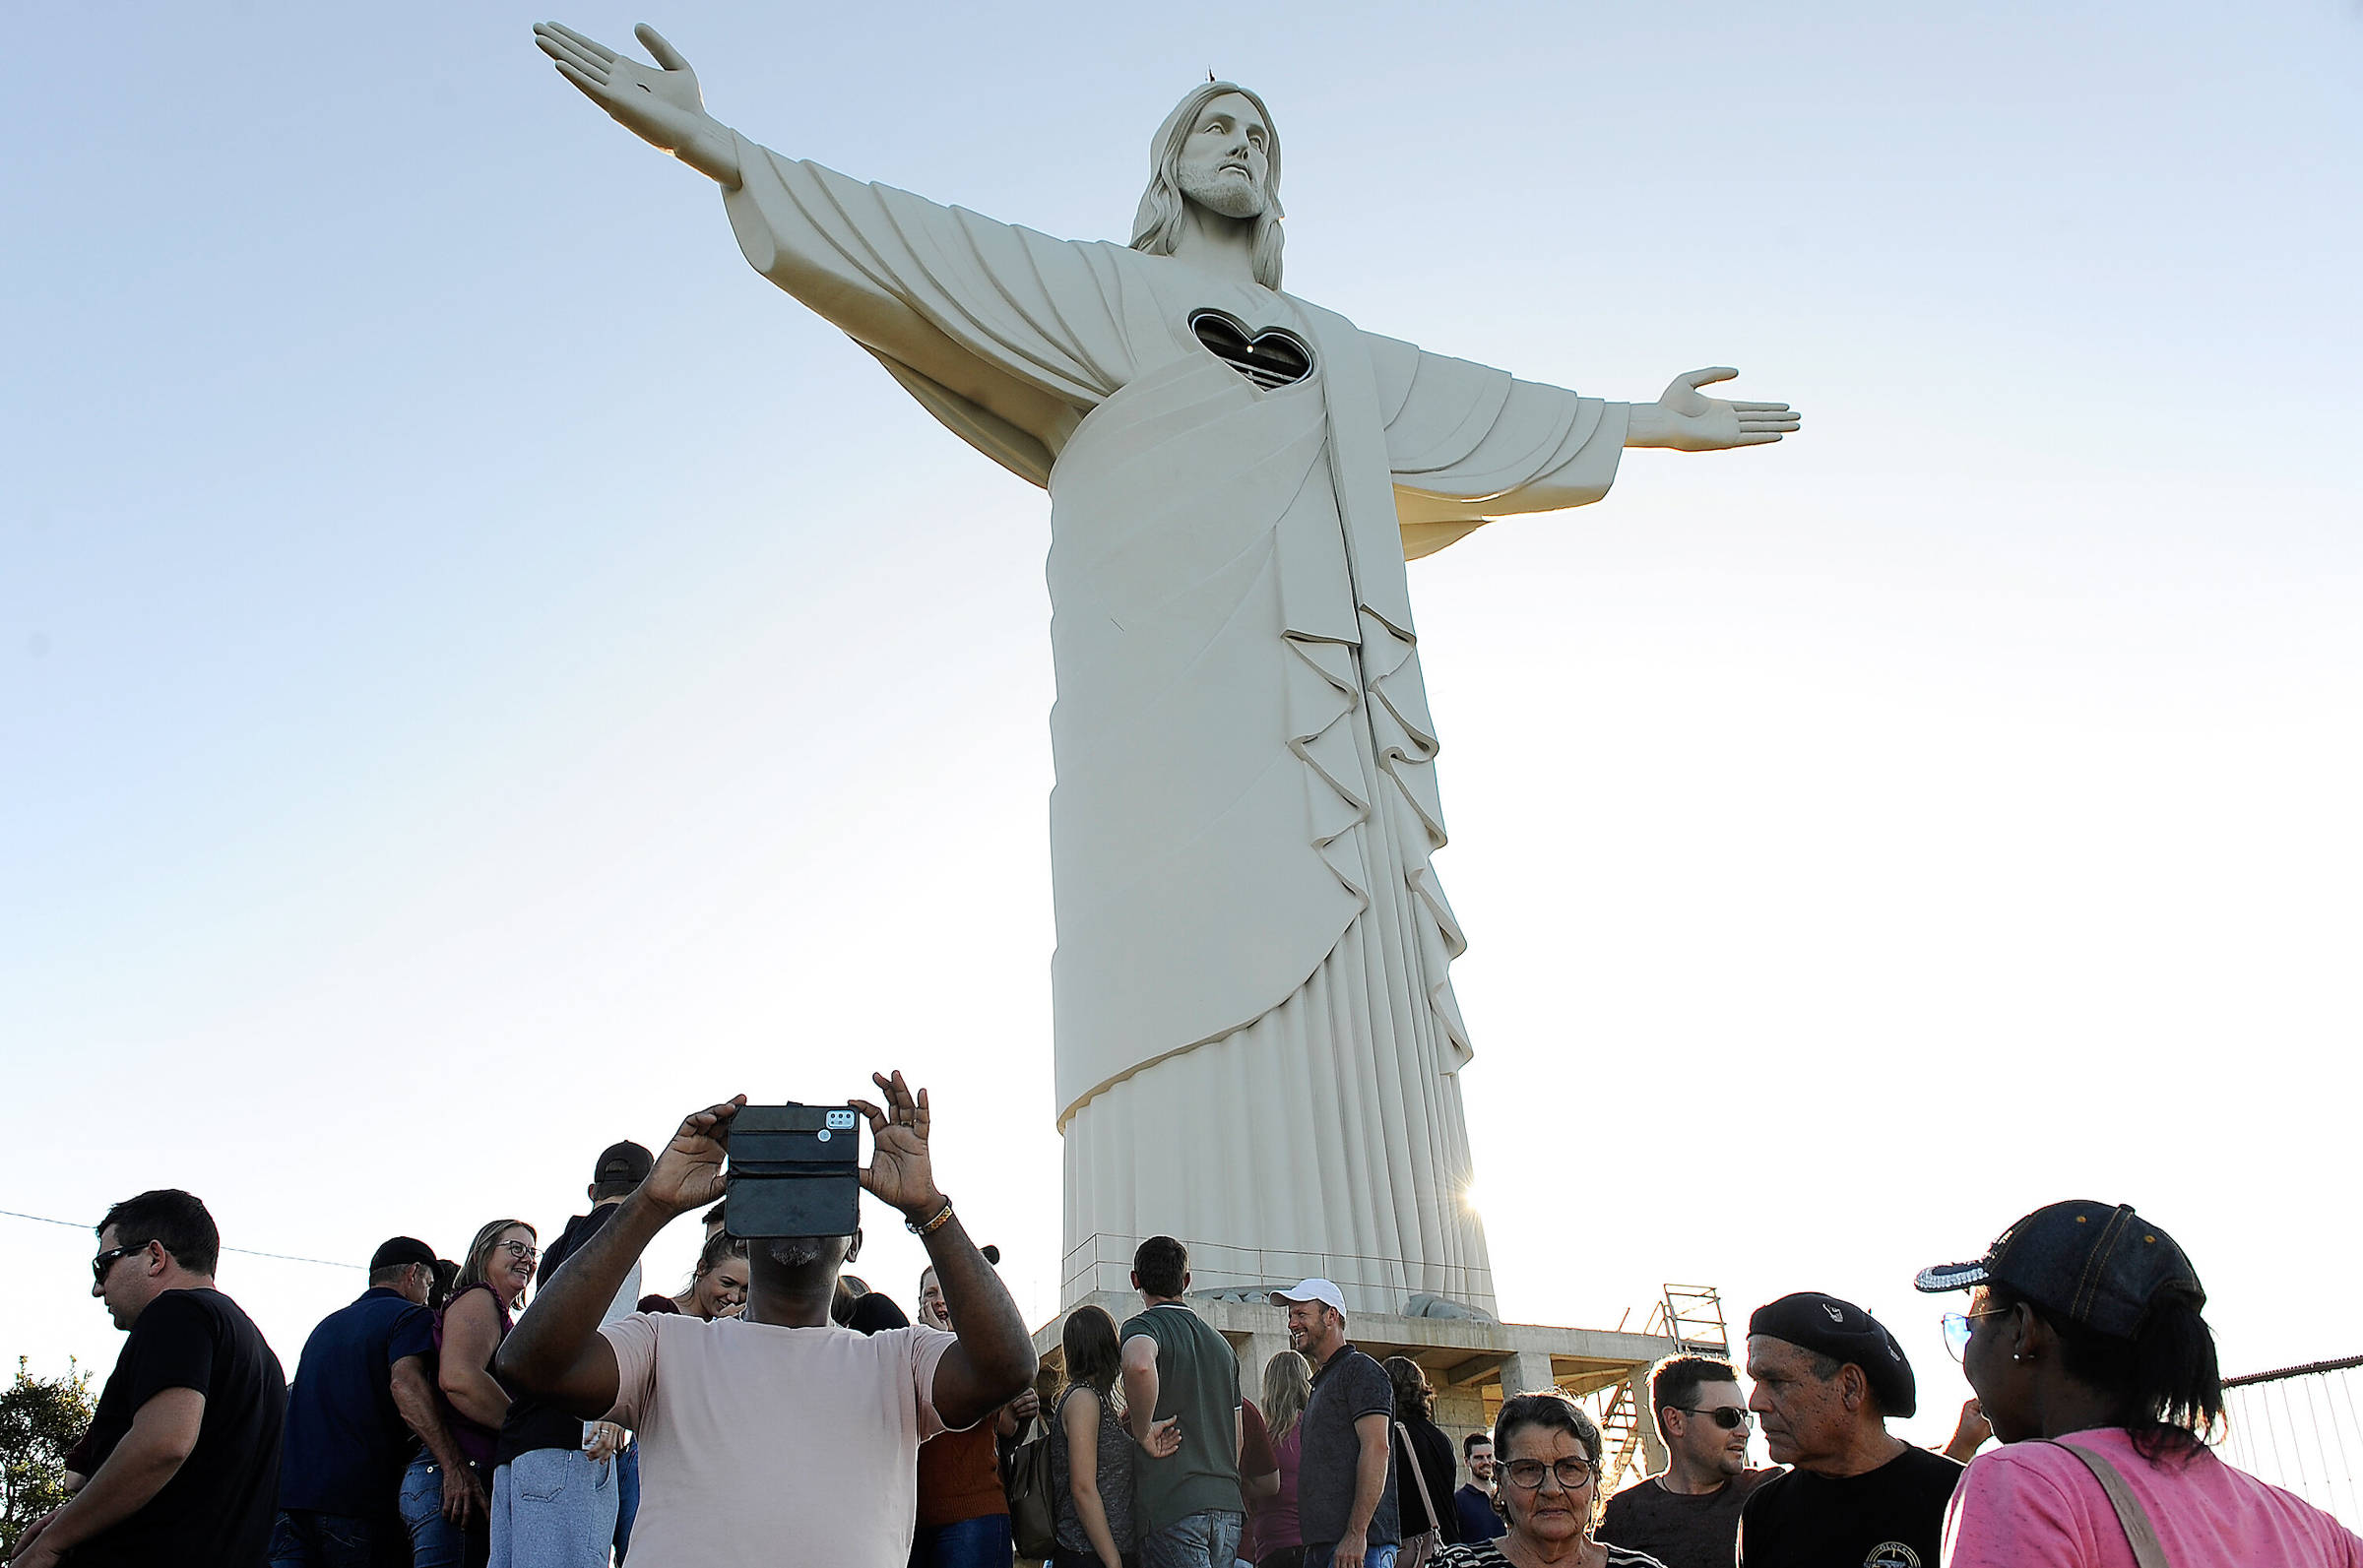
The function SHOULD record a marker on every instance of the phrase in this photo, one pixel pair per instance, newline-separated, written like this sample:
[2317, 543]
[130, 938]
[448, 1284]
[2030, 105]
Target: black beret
[402, 1250]
[1844, 1332]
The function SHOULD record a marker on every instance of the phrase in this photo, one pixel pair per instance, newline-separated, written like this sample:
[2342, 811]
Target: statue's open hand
[660, 106]
[1695, 422]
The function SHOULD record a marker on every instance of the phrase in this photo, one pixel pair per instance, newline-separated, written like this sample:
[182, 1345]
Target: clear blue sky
[483, 673]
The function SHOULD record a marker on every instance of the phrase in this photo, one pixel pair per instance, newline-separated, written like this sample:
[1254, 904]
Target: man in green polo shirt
[1181, 1377]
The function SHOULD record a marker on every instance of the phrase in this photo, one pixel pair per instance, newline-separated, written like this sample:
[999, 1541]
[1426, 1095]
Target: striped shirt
[1488, 1554]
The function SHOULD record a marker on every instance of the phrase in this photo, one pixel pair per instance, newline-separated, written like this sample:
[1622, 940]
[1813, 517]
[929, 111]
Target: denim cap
[2093, 1263]
[1843, 1332]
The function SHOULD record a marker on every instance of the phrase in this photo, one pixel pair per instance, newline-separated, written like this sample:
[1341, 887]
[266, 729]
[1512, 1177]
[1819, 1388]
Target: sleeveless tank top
[1114, 1478]
[476, 1440]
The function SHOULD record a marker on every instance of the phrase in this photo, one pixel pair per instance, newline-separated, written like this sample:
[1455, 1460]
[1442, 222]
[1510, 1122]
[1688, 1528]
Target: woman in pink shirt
[2084, 1343]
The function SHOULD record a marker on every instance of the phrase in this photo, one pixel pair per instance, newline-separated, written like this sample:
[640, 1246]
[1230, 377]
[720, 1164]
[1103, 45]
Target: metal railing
[1371, 1284]
[2301, 1428]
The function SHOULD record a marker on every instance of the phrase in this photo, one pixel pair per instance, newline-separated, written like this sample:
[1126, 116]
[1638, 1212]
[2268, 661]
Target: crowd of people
[776, 1410]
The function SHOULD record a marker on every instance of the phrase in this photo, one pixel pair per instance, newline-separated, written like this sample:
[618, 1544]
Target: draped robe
[1255, 1034]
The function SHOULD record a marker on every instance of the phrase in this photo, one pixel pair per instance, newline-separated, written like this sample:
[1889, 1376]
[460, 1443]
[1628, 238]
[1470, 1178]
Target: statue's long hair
[1157, 226]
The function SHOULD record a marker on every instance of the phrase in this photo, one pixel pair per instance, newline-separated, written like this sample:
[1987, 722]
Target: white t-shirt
[773, 1445]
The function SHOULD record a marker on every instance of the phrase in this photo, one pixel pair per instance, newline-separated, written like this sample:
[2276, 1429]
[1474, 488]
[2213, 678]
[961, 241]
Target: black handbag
[1033, 1500]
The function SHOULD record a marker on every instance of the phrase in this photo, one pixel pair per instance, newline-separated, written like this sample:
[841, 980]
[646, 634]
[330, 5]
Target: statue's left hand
[662, 105]
[1688, 420]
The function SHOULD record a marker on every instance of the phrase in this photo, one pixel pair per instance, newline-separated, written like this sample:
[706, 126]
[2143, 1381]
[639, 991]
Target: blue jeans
[308, 1539]
[435, 1541]
[627, 1496]
[1208, 1539]
[982, 1543]
[1376, 1557]
[553, 1508]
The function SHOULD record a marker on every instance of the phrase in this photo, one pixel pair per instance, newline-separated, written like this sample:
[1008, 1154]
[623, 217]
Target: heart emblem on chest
[1272, 358]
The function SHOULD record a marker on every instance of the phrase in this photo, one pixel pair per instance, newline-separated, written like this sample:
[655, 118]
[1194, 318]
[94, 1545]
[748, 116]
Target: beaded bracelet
[933, 1223]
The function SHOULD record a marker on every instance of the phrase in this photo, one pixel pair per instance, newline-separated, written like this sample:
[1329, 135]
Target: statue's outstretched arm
[1688, 420]
[662, 107]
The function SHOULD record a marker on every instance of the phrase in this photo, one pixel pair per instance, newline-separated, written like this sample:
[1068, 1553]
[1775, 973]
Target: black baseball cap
[401, 1250]
[623, 1161]
[1843, 1332]
[2097, 1264]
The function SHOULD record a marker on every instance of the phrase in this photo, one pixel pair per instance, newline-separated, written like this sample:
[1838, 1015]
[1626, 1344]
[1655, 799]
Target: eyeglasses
[523, 1251]
[107, 1260]
[1527, 1474]
[1957, 1328]
[1728, 1416]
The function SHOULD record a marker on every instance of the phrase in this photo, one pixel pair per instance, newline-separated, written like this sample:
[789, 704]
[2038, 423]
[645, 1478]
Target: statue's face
[1228, 158]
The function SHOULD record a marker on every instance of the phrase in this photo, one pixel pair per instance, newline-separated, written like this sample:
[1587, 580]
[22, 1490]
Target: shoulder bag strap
[1411, 1462]
[2139, 1533]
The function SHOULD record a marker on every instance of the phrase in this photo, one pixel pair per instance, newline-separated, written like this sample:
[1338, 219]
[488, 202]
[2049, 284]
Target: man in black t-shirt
[1688, 1515]
[186, 1437]
[1827, 1376]
[558, 1480]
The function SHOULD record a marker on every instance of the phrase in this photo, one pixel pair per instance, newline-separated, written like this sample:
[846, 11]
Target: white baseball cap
[1320, 1290]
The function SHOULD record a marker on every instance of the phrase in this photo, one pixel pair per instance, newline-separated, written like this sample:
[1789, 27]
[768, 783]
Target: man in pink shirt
[2084, 1343]
[776, 1435]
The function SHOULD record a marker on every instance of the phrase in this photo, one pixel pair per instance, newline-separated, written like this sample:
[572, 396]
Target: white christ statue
[1257, 1041]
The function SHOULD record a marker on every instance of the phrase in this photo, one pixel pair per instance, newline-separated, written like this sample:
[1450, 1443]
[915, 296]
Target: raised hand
[663, 106]
[1971, 1432]
[688, 1171]
[899, 1170]
[1688, 420]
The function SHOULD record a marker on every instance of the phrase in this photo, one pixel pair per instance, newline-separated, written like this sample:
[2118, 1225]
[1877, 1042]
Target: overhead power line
[283, 1257]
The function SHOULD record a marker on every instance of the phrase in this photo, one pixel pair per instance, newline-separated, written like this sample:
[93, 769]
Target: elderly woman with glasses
[1547, 1455]
[447, 1512]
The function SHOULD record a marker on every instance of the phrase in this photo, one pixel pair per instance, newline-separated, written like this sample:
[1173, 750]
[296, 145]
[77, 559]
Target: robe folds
[1255, 1032]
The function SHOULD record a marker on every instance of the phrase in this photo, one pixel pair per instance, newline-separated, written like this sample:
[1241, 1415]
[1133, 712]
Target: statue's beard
[1224, 191]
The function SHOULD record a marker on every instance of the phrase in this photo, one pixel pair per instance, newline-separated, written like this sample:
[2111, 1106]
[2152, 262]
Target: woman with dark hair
[2084, 1343]
[1424, 1465]
[1547, 1455]
[469, 1328]
[1090, 1453]
[717, 1286]
[851, 1289]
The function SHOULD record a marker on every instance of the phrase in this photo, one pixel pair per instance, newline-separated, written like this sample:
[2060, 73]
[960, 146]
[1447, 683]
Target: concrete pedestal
[1473, 1366]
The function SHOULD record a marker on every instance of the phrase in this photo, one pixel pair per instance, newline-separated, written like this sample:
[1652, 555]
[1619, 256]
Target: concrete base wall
[1472, 1365]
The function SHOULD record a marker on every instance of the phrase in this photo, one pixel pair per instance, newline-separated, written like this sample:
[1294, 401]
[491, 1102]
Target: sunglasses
[1956, 1329]
[1728, 1416]
[107, 1260]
